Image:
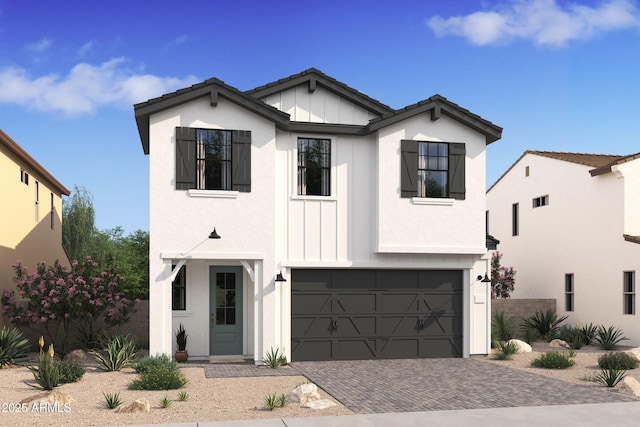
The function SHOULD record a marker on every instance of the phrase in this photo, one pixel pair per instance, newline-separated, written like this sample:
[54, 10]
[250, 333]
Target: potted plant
[181, 339]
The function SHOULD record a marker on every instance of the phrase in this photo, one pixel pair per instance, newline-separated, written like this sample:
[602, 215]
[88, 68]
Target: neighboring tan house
[347, 229]
[569, 224]
[31, 216]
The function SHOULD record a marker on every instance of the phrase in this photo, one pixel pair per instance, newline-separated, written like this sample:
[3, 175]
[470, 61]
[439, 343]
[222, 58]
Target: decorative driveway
[408, 385]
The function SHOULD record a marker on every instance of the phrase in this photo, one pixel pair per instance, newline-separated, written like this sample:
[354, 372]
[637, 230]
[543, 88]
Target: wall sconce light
[214, 234]
[279, 277]
[485, 279]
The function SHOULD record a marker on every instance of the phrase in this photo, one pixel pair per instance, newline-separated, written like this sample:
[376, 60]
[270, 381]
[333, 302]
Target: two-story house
[31, 216]
[569, 223]
[306, 216]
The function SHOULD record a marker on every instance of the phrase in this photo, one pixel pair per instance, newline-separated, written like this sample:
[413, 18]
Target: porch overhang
[241, 257]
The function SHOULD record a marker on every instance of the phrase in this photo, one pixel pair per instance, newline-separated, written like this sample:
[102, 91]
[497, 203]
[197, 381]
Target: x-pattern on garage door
[375, 314]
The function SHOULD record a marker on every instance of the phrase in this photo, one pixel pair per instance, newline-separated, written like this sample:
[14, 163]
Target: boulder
[140, 405]
[304, 393]
[319, 404]
[522, 346]
[52, 397]
[558, 343]
[78, 356]
[634, 352]
[632, 385]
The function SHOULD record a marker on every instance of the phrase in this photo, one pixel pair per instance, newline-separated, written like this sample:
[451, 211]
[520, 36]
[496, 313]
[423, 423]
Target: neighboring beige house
[31, 214]
[569, 224]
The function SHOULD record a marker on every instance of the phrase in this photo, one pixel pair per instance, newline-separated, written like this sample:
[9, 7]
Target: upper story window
[515, 219]
[629, 292]
[314, 167]
[541, 201]
[432, 169]
[24, 176]
[213, 159]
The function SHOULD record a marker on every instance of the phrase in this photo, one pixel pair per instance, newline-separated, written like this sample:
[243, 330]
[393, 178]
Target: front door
[225, 307]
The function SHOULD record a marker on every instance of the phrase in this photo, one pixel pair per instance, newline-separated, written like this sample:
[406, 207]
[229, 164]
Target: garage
[348, 314]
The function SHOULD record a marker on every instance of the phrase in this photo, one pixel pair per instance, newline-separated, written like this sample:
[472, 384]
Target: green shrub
[13, 346]
[572, 336]
[545, 324]
[274, 359]
[115, 352]
[530, 335]
[610, 377]
[159, 378]
[111, 400]
[152, 362]
[70, 371]
[608, 338]
[501, 327]
[504, 350]
[272, 401]
[553, 360]
[619, 361]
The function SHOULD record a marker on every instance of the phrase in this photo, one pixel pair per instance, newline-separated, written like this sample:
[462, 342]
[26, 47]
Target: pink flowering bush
[54, 297]
[502, 278]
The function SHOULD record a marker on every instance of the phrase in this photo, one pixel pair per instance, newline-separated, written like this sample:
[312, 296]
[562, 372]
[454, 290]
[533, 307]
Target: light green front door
[225, 311]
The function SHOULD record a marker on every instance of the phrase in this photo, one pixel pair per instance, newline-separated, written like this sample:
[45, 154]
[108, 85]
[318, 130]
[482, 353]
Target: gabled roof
[607, 168]
[597, 161]
[312, 78]
[632, 239]
[36, 167]
[251, 100]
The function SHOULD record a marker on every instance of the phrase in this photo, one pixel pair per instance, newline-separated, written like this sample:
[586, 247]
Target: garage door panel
[441, 302]
[355, 326]
[311, 303]
[398, 325]
[441, 347]
[442, 324]
[357, 302]
[312, 327]
[399, 348]
[312, 350]
[394, 302]
[355, 349]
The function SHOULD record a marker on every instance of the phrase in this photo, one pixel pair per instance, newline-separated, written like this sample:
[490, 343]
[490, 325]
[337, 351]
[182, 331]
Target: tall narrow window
[213, 159]
[629, 293]
[433, 169]
[37, 199]
[24, 177]
[568, 292]
[179, 290]
[486, 221]
[314, 167]
[225, 298]
[52, 213]
[514, 220]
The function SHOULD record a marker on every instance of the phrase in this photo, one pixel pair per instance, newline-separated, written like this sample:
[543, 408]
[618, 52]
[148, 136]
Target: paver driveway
[378, 386]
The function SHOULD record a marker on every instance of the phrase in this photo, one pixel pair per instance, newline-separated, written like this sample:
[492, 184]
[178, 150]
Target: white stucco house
[305, 216]
[569, 224]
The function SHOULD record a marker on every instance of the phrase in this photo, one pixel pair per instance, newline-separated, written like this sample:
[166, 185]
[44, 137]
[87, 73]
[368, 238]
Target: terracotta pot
[181, 356]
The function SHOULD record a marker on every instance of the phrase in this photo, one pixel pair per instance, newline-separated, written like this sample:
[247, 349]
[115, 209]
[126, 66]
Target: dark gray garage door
[375, 314]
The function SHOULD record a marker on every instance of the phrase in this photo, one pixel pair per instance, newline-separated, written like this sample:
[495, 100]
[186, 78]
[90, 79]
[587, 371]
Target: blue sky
[556, 75]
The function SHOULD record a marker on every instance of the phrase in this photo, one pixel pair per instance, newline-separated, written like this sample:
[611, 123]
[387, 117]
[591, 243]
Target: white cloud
[85, 88]
[85, 48]
[542, 21]
[40, 46]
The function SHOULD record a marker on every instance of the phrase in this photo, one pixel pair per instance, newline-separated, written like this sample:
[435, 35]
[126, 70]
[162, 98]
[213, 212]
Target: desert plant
[501, 327]
[588, 332]
[165, 402]
[530, 335]
[272, 401]
[181, 338]
[151, 362]
[589, 378]
[160, 377]
[274, 359]
[608, 338]
[115, 352]
[610, 377]
[13, 346]
[71, 371]
[618, 361]
[47, 374]
[111, 400]
[504, 350]
[545, 324]
[572, 335]
[183, 396]
[553, 360]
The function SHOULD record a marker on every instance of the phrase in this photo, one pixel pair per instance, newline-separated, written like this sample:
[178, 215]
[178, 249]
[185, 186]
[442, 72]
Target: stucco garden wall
[518, 309]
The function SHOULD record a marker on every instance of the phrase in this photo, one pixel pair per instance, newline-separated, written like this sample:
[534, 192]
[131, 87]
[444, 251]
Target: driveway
[381, 386]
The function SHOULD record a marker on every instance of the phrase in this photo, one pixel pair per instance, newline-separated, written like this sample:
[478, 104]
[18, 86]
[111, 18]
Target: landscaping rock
[304, 393]
[522, 346]
[78, 356]
[52, 397]
[632, 385]
[558, 343]
[319, 404]
[634, 352]
[140, 405]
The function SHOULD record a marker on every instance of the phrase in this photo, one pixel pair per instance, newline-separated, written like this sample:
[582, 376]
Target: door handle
[333, 327]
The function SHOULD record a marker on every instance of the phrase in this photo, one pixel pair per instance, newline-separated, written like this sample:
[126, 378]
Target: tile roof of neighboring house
[36, 168]
[214, 89]
[601, 163]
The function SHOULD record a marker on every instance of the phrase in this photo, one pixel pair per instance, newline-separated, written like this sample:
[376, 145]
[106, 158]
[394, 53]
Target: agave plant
[608, 338]
[13, 346]
[546, 324]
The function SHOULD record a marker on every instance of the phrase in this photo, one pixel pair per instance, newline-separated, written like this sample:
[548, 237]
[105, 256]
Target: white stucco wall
[579, 232]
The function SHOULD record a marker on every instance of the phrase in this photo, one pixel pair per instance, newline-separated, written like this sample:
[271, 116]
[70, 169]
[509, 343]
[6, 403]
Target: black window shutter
[241, 160]
[408, 168]
[457, 154]
[185, 158]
